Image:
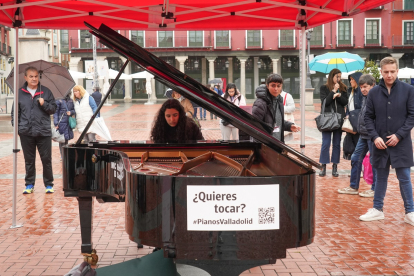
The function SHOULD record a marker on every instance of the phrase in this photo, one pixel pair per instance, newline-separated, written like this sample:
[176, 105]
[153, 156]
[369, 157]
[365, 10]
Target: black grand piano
[152, 179]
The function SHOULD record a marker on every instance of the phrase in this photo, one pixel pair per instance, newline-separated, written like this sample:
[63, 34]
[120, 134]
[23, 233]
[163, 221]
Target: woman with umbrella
[335, 93]
[64, 110]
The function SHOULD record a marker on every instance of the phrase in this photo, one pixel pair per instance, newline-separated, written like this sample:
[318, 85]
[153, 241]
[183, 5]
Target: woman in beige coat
[188, 107]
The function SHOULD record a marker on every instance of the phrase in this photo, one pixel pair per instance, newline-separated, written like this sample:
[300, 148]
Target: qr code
[267, 215]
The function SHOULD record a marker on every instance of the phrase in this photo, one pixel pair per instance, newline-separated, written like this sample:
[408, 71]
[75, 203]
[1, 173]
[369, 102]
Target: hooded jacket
[263, 109]
[64, 127]
[357, 92]
[34, 119]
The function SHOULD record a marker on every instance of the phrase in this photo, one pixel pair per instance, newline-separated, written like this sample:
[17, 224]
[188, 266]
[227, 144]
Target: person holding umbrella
[36, 104]
[64, 110]
[334, 91]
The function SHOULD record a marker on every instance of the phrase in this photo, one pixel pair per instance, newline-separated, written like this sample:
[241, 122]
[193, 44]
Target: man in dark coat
[97, 96]
[268, 107]
[389, 118]
[36, 104]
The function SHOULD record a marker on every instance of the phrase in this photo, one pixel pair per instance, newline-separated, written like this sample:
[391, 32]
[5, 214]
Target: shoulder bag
[56, 136]
[347, 126]
[328, 121]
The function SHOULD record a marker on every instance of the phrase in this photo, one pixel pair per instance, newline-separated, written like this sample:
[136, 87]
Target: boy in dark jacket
[366, 83]
[36, 104]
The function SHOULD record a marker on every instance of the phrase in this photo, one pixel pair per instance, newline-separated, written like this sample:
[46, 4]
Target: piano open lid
[195, 91]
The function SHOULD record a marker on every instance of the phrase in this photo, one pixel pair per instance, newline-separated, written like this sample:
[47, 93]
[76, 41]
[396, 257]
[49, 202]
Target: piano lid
[195, 91]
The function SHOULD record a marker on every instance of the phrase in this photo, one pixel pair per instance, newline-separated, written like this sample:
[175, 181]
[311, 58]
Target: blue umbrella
[344, 61]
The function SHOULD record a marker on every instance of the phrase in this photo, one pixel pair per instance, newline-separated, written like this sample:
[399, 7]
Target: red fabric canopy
[181, 14]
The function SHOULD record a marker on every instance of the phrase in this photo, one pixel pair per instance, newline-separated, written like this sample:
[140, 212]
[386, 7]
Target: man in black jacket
[36, 104]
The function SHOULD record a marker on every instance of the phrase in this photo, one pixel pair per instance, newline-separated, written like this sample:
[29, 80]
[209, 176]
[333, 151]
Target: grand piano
[152, 180]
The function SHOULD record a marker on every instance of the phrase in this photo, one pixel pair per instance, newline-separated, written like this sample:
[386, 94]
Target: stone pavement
[49, 241]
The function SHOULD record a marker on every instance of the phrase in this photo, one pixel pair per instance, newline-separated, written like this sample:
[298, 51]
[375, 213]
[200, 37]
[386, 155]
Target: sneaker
[49, 190]
[348, 190]
[367, 193]
[409, 218]
[372, 214]
[29, 189]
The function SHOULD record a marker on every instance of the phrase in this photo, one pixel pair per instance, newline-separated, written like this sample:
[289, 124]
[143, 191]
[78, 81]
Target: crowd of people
[382, 117]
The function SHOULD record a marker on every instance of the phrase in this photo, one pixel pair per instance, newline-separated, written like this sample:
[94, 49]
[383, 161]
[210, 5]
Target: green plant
[372, 69]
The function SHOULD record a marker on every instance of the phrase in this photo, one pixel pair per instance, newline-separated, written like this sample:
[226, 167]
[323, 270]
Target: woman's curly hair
[159, 132]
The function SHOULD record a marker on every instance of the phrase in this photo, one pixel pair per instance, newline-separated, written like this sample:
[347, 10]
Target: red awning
[182, 14]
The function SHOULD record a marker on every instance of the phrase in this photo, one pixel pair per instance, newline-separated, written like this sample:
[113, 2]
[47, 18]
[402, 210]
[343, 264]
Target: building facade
[247, 57]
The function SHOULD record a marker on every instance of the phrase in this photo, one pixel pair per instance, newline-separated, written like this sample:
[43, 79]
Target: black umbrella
[54, 76]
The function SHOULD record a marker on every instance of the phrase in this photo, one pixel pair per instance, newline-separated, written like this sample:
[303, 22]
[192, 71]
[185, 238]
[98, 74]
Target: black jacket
[341, 102]
[263, 110]
[362, 129]
[357, 93]
[34, 119]
[389, 114]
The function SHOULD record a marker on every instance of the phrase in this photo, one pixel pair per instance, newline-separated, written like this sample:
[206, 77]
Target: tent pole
[302, 90]
[15, 127]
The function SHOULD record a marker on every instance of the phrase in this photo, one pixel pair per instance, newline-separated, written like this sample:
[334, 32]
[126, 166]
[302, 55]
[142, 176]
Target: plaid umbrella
[344, 61]
[54, 76]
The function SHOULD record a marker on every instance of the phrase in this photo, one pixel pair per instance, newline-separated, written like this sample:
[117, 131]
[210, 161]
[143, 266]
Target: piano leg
[86, 222]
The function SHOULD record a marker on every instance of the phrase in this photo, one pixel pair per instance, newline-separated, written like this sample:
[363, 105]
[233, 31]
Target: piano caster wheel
[92, 258]
[140, 246]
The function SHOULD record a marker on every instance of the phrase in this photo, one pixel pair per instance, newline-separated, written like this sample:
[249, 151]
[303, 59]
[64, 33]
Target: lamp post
[308, 80]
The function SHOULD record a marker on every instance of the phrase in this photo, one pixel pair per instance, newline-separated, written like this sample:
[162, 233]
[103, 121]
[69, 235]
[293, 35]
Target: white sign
[232, 207]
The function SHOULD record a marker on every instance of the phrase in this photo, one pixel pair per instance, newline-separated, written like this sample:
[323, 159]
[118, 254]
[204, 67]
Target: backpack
[83, 269]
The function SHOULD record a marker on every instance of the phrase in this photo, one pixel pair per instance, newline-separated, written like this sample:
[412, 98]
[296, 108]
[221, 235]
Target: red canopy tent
[175, 15]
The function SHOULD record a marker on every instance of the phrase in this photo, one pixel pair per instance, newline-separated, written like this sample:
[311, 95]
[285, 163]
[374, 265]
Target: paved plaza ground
[49, 241]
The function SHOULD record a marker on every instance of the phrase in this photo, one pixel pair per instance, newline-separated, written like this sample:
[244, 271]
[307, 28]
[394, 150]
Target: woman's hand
[336, 87]
[56, 127]
[68, 113]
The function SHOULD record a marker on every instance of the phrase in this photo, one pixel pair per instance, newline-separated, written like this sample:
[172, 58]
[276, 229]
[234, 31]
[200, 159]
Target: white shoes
[374, 214]
[367, 193]
[348, 190]
[409, 218]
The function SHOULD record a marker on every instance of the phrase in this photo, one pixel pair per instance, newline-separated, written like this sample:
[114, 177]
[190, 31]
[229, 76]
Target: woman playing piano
[171, 125]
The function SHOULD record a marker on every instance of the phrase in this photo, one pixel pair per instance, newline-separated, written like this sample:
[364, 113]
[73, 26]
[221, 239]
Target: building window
[85, 39]
[254, 38]
[372, 32]
[408, 4]
[195, 38]
[165, 39]
[344, 32]
[222, 39]
[64, 41]
[138, 37]
[408, 32]
[317, 36]
[286, 38]
[55, 52]
[48, 50]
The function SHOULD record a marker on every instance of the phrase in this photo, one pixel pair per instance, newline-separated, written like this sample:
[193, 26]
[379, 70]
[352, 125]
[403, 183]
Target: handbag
[368, 174]
[328, 121]
[56, 136]
[72, 120]
[347, 126]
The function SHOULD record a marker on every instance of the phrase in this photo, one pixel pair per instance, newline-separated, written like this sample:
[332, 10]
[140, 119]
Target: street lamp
[377, 62]
[87, 38]
[259, 64]
[196, 64]
[289, 63]
[227, 63]
[113, 64]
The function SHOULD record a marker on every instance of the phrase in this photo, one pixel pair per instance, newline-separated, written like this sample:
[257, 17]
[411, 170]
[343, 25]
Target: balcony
[399, 41]
[74, 44]
[400, 5]
[253, 45]
[288, 44]
[373, 43]
[319, 43]
[345, 43]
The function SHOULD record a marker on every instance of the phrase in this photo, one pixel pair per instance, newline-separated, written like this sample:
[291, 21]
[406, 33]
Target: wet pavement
[49, 241]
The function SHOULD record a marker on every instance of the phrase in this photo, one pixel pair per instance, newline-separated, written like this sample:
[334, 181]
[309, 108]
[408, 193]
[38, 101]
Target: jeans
[326, 144]
[357, 157]
[201, 112]
[404, 178]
